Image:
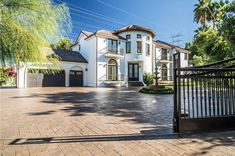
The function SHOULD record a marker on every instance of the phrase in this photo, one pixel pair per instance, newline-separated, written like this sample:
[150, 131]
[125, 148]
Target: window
[147, 38]
[185, 56]
[164, 54]
[128, 36]
[139, 47]
[112, 46]
[138, 35]
[128, 47]
[79, 47]
[147, 49]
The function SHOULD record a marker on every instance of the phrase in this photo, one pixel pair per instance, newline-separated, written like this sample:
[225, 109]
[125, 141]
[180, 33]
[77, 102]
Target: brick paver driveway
[96, 121]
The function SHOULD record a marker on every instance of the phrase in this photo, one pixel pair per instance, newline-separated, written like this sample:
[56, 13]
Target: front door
[112, 70]
[164, 72]
[133, 72]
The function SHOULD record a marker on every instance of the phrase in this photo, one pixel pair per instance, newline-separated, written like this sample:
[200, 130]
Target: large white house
[122, 56]
[105, 58]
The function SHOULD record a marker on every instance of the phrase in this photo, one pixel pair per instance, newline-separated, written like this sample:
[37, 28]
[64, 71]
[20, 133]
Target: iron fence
[204, 96]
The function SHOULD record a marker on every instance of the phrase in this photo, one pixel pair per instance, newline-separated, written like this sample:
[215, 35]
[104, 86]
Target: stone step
[135, 83]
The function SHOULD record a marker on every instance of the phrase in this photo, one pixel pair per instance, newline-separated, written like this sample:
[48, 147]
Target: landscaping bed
[157, 90]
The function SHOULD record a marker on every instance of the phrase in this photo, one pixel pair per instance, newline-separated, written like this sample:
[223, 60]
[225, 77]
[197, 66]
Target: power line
[177, 39]
[94, 19]
[124, 11]
[92, 13]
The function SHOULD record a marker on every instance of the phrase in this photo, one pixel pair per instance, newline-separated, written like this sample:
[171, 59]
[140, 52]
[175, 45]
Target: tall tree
[26, 26]
[202, 13]
[64, 43]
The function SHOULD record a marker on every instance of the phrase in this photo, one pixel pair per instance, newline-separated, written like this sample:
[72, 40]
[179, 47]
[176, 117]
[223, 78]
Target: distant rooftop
[163, 44]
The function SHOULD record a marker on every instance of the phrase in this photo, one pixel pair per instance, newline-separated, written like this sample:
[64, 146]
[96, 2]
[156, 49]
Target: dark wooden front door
[133, 72]
[75, 78]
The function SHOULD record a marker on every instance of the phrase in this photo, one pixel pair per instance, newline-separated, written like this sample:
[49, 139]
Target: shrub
[164, 90]
[148, 79]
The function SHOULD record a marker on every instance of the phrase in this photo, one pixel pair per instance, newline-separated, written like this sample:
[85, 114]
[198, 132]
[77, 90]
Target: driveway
[95, 121]
[83, 111]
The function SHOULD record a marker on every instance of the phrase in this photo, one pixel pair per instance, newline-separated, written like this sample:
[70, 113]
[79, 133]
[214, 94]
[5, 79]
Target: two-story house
[122, 56]
[103, 58]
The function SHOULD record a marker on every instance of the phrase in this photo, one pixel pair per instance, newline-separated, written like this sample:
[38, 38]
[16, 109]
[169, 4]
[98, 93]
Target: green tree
[27, 26]
[218, 42]
[62, 44]
[202, 13]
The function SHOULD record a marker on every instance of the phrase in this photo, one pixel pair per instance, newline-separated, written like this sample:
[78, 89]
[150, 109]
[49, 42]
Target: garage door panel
[54, 80]
[75, 78]
[46, 80]
[34, 79]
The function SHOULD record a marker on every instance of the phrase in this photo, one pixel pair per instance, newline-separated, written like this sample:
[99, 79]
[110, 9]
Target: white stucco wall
[145, 61]
[88, 51]
[102, 60]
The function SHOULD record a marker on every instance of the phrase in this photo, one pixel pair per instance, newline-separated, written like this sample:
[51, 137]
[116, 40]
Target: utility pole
[177, 39]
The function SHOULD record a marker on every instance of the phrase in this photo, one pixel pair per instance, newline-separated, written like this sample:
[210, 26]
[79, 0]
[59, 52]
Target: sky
[165, 17]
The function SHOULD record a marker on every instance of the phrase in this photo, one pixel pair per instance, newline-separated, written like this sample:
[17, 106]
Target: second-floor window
[139, 47]
[112, 46]
[164, 54]
[128, 47]
[147, 38]
[147, 49]
[128, 36]
[185, 56]
[138, 35]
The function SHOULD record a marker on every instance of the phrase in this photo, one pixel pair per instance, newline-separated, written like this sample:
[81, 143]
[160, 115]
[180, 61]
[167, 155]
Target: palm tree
[217, 11]
[202, 12]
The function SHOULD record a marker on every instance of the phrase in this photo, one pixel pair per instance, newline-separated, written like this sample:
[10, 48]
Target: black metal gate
[204, 98]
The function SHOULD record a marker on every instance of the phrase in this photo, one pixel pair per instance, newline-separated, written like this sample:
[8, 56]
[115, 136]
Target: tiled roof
[135, 28]
[70, 56]
[106, 33]
[163, 44]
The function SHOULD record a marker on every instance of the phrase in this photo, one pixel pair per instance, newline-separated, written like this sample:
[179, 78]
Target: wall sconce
[139, 66]
[86, 69]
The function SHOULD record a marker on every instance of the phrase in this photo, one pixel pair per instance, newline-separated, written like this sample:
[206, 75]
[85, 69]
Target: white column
[67, 77]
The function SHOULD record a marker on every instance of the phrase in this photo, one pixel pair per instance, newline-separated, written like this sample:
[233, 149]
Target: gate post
[176, 66]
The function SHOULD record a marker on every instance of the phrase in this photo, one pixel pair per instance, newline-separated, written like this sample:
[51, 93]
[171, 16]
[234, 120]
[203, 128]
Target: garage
[40, 79]
[71, 73]
[75, 78]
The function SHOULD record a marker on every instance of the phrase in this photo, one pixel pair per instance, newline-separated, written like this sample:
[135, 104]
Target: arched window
[164, 72]
[112, 70]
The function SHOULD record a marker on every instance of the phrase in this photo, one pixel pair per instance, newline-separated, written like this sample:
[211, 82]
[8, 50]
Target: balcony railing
[164, 57]
[167, 58]
[113, 52]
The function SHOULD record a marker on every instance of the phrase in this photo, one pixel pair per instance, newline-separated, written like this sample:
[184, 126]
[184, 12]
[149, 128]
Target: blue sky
[165, 17]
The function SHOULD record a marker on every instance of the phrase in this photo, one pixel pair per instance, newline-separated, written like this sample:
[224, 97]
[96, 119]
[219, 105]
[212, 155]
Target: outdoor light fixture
[86, 69]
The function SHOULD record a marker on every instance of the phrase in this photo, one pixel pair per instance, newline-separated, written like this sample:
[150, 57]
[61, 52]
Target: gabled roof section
[166, 45]
[70, 56]
[106, 33]
[86, 33]
[135, 28]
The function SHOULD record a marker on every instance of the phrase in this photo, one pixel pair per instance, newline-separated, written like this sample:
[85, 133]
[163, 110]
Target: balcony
[113, 52]
[166, 59]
